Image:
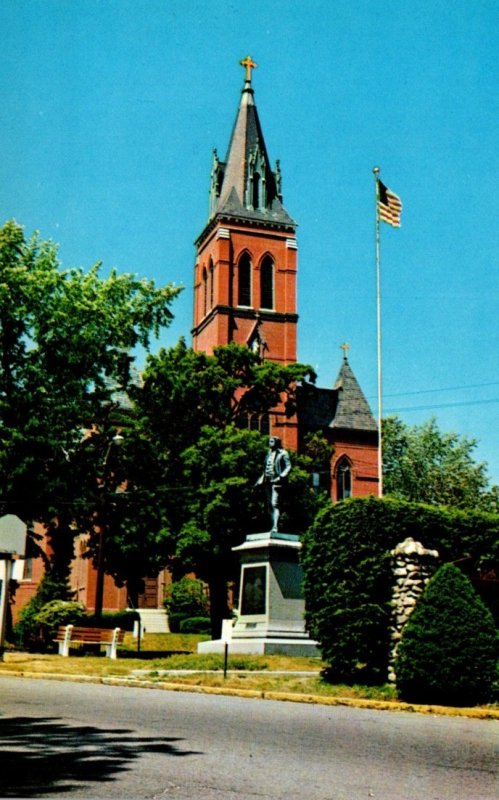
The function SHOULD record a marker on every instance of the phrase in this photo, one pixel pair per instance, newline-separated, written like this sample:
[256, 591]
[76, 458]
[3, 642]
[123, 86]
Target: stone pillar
[413, 566]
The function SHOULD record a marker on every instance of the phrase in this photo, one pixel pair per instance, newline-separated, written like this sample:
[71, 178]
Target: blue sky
[110, 110]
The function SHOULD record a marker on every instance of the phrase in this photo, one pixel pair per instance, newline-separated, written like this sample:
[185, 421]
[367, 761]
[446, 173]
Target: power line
[443, 405]
[436, 391]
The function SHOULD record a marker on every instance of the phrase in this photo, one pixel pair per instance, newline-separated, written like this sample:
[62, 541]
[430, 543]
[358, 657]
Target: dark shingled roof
[343, 407]
[353, 409]
[247, 138]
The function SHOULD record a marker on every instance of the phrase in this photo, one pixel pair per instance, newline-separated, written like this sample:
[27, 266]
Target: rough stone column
[413, 566]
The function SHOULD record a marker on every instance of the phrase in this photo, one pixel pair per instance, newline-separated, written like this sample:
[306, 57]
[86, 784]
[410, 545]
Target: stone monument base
[271, 605]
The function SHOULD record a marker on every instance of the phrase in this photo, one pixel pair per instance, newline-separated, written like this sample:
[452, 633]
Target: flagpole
[378, 337]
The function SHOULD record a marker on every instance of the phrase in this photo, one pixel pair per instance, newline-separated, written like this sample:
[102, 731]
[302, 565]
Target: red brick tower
[245, 272]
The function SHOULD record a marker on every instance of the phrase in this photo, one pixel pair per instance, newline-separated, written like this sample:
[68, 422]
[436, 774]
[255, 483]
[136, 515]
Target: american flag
[389, 205]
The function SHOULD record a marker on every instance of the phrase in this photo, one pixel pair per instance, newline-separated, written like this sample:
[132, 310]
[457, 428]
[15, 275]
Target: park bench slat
[68, 635]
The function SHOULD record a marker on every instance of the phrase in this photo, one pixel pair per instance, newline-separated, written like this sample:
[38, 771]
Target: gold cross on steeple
[345, 347]
[249, 64]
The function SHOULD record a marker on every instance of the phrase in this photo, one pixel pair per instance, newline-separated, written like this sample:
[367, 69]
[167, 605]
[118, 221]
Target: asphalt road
[76, 740]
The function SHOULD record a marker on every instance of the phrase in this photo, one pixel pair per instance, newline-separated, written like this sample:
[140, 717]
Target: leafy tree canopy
[423, 464]
[194, 412]
[66, 337]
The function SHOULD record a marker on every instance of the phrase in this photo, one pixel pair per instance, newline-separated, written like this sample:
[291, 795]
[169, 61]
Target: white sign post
[12, 542]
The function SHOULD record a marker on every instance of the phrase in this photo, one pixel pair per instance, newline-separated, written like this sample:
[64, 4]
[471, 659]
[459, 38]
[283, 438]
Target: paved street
[62, 739]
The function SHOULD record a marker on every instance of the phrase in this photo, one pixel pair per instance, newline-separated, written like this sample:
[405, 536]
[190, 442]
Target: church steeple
[245, 184]
[246, 265]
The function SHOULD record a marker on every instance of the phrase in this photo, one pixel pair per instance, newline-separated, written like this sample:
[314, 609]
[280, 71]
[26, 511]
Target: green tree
[449, 647]
[194, 412]
[66, 338]
[425, 465]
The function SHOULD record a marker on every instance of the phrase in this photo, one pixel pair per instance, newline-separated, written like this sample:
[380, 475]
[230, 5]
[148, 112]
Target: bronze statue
[276, 470]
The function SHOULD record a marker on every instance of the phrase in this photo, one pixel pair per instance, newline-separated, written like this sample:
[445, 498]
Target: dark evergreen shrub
[112, 619]
[174, 621]
[347, 586]
[449, 647]
[195, 625]
[347, 574]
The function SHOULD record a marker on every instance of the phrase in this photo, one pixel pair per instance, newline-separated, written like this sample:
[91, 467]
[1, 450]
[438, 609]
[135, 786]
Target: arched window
[255, 422]
[267, 283]
[343, 479]
[205, 291]
[244, 281]
[212, 290]
[265, 424]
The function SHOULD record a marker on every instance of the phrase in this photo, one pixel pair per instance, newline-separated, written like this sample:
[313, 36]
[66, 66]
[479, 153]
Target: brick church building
[245, 292]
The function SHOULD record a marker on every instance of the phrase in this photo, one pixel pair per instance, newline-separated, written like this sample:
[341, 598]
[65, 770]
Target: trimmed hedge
[195, 625]
[449, 647]
[348, 579]
[112, 619]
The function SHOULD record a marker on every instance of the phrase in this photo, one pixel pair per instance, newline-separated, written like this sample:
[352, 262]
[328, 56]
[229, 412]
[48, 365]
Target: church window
[255, 422]
[244, 281]
[265, 424]
[211, 282]
[205, 291]
[343, 479]
[267, 283]
[28, 569]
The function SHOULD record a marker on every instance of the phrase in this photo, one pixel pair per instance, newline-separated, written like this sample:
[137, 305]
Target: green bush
[184, 599]
[347, 586]
[174, 621]
[348, 579]
[195, 625]
[449, 647]
[112, 619]
[37, 627]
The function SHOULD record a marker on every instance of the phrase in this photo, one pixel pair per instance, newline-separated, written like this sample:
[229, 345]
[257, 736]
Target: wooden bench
[68, 635]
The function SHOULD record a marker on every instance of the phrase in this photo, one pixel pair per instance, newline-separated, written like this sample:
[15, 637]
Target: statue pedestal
[271, 605]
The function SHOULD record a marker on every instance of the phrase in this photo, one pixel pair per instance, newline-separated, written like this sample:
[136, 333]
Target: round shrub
[185, 598]
[448, 651]
[195, 625]
[37, 627]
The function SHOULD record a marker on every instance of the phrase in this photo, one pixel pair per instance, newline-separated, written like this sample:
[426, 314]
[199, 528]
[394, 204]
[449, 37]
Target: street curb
[256, 694]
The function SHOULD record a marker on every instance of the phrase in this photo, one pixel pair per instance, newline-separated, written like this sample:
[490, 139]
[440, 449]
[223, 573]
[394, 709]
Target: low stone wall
[413, 566]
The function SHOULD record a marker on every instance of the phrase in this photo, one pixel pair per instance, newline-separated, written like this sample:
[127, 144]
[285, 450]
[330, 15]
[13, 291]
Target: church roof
[246, 172]
[353, 409]
[342, 408]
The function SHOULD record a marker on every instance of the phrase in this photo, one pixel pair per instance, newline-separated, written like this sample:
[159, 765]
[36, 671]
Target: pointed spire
[352, 410]
[245, 185]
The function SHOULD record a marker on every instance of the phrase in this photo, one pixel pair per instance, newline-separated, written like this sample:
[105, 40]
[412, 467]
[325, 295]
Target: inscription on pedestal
[254, 590]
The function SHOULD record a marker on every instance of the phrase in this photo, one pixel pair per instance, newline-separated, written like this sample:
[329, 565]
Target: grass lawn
[296, 677]
[160, 652]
